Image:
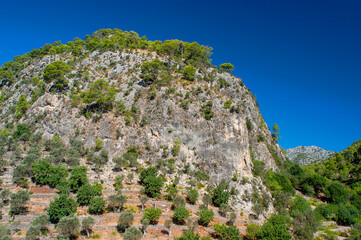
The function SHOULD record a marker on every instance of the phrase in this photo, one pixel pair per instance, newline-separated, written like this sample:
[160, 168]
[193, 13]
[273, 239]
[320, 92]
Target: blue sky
[301, 58]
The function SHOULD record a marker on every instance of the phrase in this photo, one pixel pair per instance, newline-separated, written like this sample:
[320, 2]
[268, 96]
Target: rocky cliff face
[159, 118]
[303, 155]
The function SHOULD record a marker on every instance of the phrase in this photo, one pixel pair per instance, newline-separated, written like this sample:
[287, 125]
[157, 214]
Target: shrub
[101, 95]
[126, 219]
[346, 215]
[227, 104]
[68, 226]
[97, 205]
[226, 232]
[299, 205]
[223, 83]
[42, 221]
[46, 173]
[336, 193]
[87, 225]
[180, 215]
[33, 232]
[60, 207]
[153, 186]
[132, 233]
[189, 73]
[21, 107]
[205, 217]
[252, 231]
[98, 144]
[249, 124]
[178, 201]
[152, 214]
[150, 70]
[55, 72]
[207, 200]
[305, 225]
[274, 228]
[325, 211]
[220, 194]
[226, 67]
[85, 194]
[151, 171]
[116, 202]
[171, 191]
[21, 129]
[193, 196]
[18, 201]
[279, 182]
[206, 110]
[176, 147]
[78, 178]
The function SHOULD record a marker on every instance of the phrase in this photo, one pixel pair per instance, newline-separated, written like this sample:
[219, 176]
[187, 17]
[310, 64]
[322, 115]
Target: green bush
[85, 194]
[171, 191]
[101, 95]
[18, 201]
[224, 232]
[55, 72]
[279, 182]
[60, 207]
[153, 186]
[97, 205]
[98, 144]
[220, 194]
[126, 219]
[336, 193]
[189, 73]
[274, 228]
[299, 205]
[206, 110]
[205, 217]
[150, 70]
[21, 107]
[68, 226]
[21, 129]
[180, 215]
[45, 173]
[226, 67]
[78, 178]
[152, 214]
[178, 201]
[192, 196]
[346, 215]
[227, 104]
[132, 233]
[147, 172]
[325, 211]
[249, 125]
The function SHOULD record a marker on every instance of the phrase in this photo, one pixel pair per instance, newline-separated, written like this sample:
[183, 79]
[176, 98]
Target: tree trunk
[87, 233]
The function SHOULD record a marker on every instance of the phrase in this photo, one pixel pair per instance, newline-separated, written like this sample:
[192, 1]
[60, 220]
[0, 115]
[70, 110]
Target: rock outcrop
[303, 155]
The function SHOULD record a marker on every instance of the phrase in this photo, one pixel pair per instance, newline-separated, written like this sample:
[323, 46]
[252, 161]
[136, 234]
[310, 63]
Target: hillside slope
[118, 104]
[303, 155]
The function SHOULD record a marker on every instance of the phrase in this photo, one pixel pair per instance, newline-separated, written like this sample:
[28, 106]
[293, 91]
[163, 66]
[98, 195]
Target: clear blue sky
[301, 58]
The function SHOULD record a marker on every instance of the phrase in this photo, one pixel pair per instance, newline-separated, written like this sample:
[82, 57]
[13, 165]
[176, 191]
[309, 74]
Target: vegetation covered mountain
[116, 136]
[303, 155]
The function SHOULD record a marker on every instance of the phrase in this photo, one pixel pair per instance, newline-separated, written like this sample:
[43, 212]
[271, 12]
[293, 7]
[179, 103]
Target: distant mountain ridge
[303, 155]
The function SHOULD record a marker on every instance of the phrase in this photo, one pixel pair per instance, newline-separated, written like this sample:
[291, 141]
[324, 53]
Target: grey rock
[303, 155]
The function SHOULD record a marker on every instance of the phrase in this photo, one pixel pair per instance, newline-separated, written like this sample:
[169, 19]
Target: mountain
[303, 155]
[343, 166]
[77, 119]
